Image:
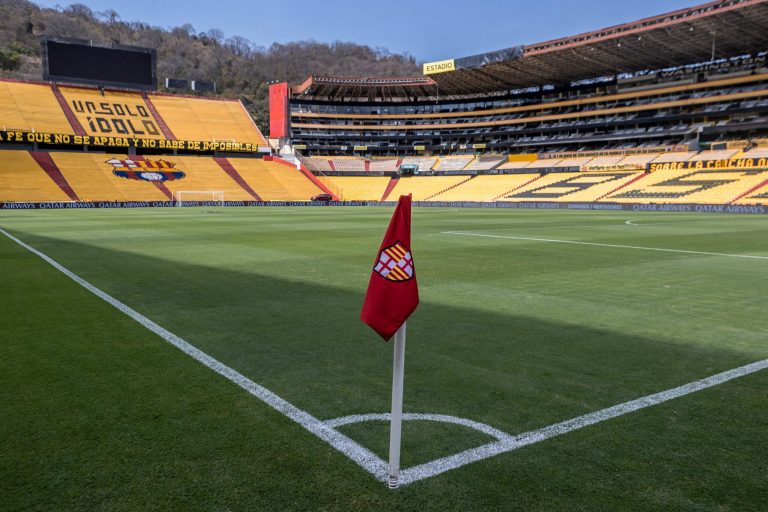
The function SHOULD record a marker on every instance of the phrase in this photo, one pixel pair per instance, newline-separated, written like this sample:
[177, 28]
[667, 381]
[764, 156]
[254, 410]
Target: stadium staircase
[751, 190]
[390, 187]
[640, 175]
[538, 176]
[22, 179]
[158, 118]
[159, 184]
[227, 167]
[47, 164]
[76, 126]
[449, 188]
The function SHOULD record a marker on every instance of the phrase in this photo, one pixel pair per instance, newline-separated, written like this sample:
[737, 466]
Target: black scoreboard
[77, 61]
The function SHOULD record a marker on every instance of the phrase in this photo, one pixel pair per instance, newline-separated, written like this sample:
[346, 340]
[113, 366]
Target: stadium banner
[536, 205]
[430, 68]
[613, 167]
[737, 164]
[63, 139]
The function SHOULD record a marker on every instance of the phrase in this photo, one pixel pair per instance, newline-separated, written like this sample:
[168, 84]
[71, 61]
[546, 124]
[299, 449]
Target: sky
[427, 29]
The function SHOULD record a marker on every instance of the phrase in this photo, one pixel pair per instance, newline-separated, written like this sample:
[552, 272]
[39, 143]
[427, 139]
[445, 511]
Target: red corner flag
[392, 291]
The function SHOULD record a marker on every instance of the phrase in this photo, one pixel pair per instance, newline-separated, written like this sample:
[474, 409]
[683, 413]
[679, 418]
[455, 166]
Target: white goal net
[193, 196]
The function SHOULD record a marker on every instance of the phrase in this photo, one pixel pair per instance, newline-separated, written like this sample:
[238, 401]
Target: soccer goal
[192, 196]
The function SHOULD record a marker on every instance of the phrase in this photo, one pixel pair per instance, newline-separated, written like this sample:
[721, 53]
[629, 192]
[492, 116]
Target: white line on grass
[586, 226]
[413, 416]
[359, 454]
[364, 457]
[615, 246]
[436, 467]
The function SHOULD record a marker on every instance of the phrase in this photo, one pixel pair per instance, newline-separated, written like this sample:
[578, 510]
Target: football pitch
[533, 327]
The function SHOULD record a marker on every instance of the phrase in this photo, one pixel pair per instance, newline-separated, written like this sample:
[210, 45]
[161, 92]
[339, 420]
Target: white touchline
[359, 454]
[436, 467]
[366, 459]
[616, 246]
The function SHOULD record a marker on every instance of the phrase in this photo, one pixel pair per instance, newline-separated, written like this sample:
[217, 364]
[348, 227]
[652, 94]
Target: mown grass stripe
[359, 454]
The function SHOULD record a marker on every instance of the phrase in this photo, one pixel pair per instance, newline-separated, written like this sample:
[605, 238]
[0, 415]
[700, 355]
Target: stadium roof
[686, 36]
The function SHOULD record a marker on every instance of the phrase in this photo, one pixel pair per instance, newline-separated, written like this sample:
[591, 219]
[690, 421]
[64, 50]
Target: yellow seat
[112, 113]
[423, 187]
[201, 119]
[92, 179]
[275, 182]
[31, 107]
[357, 188]
[485, 188]
[22, 180]
[689, 186]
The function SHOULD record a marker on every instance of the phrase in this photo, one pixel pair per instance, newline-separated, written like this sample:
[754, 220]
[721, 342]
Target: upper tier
[81, 111]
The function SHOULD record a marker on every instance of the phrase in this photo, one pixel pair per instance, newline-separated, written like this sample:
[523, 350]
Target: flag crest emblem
[395, 263]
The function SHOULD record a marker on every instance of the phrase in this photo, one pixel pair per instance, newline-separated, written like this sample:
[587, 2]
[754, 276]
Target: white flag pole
[398, 371]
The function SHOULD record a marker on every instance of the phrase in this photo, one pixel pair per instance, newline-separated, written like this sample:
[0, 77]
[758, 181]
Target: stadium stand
[576, 186]
[273, 181]
[626, 127]
[453, 163]
[31, 107]
[424, 163]
[357, 188]
[485, 188]
[642, 159]
[22, 179]
[383, 165]
[349, 164]
[690, 186]
[207, 119]
[317, 164]
[111, 113]
[424, 187]
[206, 174]
[485, 162]
[93, 179]
[674, 157]
[758, 195]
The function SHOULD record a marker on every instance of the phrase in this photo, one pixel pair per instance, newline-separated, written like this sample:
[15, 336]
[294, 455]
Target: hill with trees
[239, 68]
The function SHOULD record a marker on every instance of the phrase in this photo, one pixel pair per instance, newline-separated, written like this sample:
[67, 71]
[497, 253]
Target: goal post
[189, 196]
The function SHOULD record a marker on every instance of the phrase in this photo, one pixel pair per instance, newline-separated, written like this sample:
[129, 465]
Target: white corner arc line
[436, 467]
[413, 416]
[359, 454]
[615, 246]
[364, 457]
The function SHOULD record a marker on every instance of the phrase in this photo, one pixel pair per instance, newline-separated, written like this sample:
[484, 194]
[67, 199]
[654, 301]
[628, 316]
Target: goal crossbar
[214, 196]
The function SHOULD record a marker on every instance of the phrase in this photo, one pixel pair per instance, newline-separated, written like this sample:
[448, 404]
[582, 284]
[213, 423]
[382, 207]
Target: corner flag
[391, 298]
[392, 290]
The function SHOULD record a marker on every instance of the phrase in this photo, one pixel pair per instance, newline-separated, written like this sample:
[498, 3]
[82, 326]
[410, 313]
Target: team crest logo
[395, 263]
[146, 170]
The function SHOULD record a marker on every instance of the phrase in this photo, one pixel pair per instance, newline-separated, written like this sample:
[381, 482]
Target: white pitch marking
[630, 222]
[436, 467]
[359, 454]
[616, 246]
[442, 418]
[364, 457]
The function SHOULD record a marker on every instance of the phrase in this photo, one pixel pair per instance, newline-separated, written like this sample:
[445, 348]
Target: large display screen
[80, 62]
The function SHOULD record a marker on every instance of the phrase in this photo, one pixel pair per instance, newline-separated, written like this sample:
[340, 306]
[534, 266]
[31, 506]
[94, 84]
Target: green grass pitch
[98, 413]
